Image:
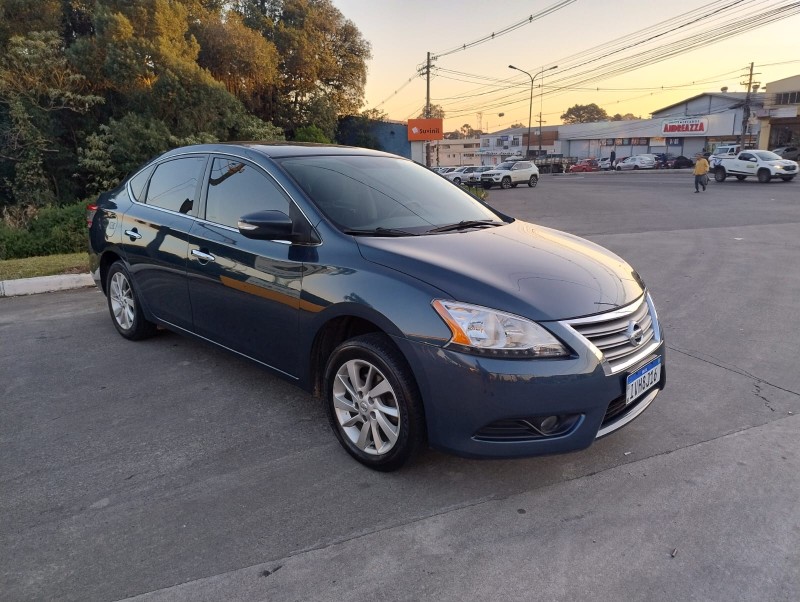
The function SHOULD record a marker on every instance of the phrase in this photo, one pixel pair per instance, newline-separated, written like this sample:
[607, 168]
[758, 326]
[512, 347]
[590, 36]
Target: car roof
[279, 149]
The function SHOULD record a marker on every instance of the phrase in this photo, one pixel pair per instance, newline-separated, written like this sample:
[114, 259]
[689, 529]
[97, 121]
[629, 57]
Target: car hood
[521, 268]
[494, 172]
[782, 162]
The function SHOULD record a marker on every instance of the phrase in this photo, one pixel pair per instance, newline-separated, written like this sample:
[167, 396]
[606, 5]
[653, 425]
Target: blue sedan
[414, 310]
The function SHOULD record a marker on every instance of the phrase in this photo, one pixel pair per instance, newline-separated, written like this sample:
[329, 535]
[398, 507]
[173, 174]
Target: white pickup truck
[765, 165]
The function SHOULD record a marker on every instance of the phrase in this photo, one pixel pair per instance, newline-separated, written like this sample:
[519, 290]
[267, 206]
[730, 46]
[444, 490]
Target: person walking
[700, 172]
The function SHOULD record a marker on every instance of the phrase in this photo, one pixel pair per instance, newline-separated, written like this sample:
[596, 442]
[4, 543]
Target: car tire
[618, 168]
[719, 174]
[740, 178]
[533, 181]
[514, 185]
[373, 403]
[505, 183]
[457, 181]
[764, 176]
[124, 306]
[636, 167]
[487, 186]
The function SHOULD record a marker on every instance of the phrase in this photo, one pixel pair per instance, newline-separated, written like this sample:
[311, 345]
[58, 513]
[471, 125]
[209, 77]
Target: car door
[155, 235]
[746, 163]
[245, 293]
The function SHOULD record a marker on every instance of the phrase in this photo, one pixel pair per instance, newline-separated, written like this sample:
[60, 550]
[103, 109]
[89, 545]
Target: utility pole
[746, 109]
[539, 154]
[428, 108]
[428, 86]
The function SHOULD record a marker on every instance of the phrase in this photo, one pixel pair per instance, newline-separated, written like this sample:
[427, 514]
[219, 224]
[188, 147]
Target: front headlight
[487, 331]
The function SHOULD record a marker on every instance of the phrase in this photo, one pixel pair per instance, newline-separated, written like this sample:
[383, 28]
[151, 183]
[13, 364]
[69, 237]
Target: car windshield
[768, 156]
[505, 165]
[363, 194]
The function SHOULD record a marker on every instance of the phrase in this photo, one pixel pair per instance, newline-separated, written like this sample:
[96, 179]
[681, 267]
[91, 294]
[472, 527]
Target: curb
[44, 284]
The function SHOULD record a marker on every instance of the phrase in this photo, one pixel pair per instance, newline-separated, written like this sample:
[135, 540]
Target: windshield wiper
[380, 232]
[470, 223]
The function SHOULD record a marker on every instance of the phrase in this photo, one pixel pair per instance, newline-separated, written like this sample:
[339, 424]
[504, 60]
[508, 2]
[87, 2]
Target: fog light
[549, 424]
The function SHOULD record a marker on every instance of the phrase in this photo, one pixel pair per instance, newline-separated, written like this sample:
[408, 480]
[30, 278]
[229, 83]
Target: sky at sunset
[585, 39]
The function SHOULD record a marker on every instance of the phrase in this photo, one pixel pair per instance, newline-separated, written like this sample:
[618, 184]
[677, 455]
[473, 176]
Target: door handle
[202, 256]
[133, 234]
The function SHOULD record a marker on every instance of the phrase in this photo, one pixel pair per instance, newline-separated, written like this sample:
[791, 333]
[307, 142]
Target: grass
[72, 263]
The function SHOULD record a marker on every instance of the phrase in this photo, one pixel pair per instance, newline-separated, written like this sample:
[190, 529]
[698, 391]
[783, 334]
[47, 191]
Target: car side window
[138, 183]
[236, 188]
[746, 157]
[174, 184]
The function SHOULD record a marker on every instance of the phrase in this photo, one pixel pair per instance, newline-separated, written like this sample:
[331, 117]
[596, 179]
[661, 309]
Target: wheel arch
[108, 259]
[330, 335]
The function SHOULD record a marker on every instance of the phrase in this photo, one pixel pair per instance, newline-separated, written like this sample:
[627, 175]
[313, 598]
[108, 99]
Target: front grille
[611, 333]
[789, 168]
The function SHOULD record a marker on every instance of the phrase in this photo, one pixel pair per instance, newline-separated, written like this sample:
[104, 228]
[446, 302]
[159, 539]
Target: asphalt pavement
[171, 470]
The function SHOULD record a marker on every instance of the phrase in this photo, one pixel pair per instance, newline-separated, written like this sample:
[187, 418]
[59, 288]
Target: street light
[530, 107]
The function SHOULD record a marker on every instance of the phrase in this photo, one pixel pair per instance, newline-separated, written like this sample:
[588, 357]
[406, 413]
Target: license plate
[644, 379]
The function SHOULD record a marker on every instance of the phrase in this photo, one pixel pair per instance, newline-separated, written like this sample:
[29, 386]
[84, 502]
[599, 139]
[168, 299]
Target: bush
[54, 230]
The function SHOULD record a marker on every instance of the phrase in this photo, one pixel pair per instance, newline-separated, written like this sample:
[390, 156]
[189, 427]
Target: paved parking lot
[168, 470]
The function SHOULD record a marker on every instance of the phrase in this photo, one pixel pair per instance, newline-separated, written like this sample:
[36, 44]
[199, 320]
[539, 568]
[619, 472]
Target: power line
[710, 34]
[494, 35]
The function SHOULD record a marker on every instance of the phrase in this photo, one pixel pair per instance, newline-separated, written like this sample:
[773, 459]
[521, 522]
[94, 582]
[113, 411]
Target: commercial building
[454, 152]
[497, 146]
[693, 125]
[780, 124]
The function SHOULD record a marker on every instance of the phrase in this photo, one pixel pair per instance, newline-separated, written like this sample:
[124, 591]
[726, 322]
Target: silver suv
[511, 173]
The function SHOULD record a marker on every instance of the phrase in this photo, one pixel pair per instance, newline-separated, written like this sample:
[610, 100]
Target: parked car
[584, 165]
[787, 152]
[765, 165]
[460, 174]
[474, 178]
[636, 162]
[604, 163]
[412, 308]
[511, 173]
[680, 162]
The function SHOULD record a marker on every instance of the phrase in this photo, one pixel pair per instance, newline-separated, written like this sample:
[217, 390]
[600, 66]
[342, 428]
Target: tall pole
[530, 106]
[428, 108]
[746, 108]
[428, 91]
[530, 110]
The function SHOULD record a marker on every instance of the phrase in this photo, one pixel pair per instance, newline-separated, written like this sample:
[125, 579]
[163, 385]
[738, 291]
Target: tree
[584, 114]
[238, 56]
[436, 112]
[625, 117]
[322, 54]
[37, 86]
[311, 133]
[517, 125]
[467, 131]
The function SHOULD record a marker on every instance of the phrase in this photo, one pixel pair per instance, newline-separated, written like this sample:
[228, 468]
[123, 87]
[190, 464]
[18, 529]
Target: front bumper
[478, 406]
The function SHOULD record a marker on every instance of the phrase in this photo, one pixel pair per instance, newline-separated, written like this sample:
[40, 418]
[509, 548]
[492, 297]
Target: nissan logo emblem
[634, 333]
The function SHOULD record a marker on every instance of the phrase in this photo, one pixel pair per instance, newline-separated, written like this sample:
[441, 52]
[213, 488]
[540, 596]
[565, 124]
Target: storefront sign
[425, 129]
[692, 126]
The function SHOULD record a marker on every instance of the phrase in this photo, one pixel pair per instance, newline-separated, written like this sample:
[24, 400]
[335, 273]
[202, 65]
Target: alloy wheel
[366, 407]
[122, 301]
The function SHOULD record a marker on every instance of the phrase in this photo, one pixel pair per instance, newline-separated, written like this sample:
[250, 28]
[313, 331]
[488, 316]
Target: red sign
[685, 127]
[425, 129]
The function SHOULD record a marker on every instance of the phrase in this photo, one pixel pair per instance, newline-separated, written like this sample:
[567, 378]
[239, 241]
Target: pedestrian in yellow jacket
[700, 172]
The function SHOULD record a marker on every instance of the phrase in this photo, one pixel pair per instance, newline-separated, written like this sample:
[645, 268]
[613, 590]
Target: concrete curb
[44, 284]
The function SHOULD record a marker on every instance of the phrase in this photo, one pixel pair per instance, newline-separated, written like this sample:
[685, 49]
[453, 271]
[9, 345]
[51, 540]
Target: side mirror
[268, 225]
